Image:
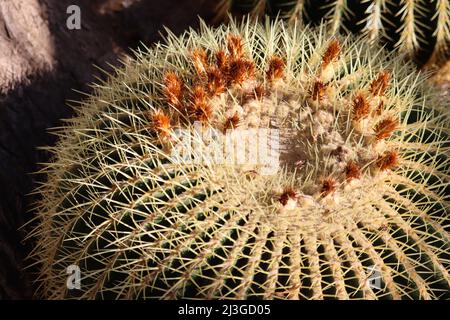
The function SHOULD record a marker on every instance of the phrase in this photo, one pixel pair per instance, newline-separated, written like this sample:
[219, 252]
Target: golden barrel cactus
[251, 161]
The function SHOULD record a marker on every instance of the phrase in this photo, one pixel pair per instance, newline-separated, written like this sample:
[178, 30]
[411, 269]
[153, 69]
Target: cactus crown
[418, 28]
[356, 178]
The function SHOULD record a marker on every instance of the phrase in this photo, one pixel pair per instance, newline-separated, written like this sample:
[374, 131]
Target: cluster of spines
[404, 24]
[232, 68]
[214, 74]
[364, 105]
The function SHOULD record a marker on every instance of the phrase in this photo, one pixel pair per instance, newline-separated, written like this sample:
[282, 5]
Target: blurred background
[43, 64]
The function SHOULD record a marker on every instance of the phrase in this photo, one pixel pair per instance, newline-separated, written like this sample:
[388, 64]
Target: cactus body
[356, 185]
[418, 28]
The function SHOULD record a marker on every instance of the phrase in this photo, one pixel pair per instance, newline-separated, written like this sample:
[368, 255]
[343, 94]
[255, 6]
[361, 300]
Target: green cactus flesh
[361, 185]
[419, 28]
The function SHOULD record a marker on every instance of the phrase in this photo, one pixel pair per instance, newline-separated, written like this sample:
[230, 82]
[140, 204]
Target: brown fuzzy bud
[384, 128]
[240, 70]
[259, 91]
[199, 108]
[173, 89]
[332, 52]
[380, 108]
[387, 160]
[235, 46]
[275, 69]
[215, 81]
[231, 122]
[352, 171]
[328, 186]
[288, 193]
[318, 91]
[380, 84]
[222, 61]
[200, 59]
[361, 107]
[161, 123]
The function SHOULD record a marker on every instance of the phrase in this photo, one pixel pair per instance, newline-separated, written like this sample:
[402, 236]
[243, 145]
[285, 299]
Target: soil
[42, 65]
